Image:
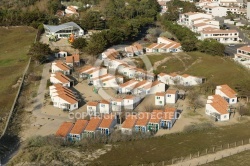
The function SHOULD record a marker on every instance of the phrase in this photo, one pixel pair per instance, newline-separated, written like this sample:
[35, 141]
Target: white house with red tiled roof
[93, 108]
[107, 80]
[189, 80]
[127, 87]
[243, 53]
[164, 45]
[222, 36]
[169, 79]
[134, 49]
[59, 78]
[92, 127]
[130, 102]
[92, 72]
[117, 104]
[64, 130]
[227, 93]
[104, 107]
[160, 98]
[186, 18]
[107, 125]
[65, 100]
[218, 108]
[73, 60]
[59, 66]
[129, 124]
[171, 96]
[113, 64]
[61, 54]
[141, 124]
[78, 129]
[155, 87]
[169, 117]
[110, 54]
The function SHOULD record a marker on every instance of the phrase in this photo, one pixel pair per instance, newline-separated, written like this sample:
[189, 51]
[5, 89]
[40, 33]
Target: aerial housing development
[125, 82]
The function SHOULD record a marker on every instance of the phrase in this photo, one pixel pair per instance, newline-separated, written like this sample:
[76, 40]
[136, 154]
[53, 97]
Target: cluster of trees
[39, 52]
[17, 16]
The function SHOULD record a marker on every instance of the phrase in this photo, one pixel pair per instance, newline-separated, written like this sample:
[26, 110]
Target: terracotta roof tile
[61, 77]
[156, 116]
[93, 124]
[130, 121]
[168, 114]
[160, 94]
[171, 91]
[92, 103]
[79, 126]
[107, 121]
[64, 129]
[143, 118]
[228, 91]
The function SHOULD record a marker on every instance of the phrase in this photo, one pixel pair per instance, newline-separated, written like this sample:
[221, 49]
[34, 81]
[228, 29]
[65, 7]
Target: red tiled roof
[171, 91]
[168, 114]
[228, 91]
[143, 118]
[79, 126]
[156, 116]
[93, 124]
[92, 103]
[107, 121]
[130, 121]
[61, 77]
[64, 129]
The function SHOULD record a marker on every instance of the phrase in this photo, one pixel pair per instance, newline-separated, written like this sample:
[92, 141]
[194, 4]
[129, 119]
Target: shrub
[198, 127]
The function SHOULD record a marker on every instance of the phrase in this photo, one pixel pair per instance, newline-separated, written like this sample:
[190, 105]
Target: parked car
[231, 45]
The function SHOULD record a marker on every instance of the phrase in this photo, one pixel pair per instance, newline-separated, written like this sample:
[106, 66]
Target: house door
[107, 131]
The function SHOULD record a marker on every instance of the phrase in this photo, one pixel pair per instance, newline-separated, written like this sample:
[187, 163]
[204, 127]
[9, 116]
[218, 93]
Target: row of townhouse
[176, 79]
[168, 97]
[141, 87]
[59, 78]
[91, 72]
[219, 11]
[222, 3]
[59, 66]
[129, 102]
[146, 121]
[107, 80]
[135, 49]
[63, 98]
[164, 45]
[84, 128]
[218, 105]
[207, 28]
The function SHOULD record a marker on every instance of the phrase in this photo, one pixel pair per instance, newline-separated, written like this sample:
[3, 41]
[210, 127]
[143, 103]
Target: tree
[39, 52]
[189, 44]
[194, 100]
[212, 47]
[96, 44]
[79, 43]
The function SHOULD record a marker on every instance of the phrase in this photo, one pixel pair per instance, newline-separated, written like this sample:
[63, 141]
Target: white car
[231, 45]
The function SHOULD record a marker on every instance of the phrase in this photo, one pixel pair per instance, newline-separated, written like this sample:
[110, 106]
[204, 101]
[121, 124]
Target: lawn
[14, 45]
[241, 159]
[174, 145]
[217, 70]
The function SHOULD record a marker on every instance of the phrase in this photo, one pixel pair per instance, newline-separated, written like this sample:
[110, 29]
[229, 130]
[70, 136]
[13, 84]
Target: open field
[166, 147]
[14, 45]
[240, 159]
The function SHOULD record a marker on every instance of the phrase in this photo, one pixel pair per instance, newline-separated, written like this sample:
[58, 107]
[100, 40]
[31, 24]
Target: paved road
[212, 157]
[233, 49]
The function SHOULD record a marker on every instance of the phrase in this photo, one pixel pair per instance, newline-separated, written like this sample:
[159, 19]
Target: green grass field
[14, 45]
[241, 159]
[173, 146]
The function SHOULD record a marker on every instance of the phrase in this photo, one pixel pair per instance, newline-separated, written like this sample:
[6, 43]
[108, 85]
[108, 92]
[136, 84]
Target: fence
[203, 153]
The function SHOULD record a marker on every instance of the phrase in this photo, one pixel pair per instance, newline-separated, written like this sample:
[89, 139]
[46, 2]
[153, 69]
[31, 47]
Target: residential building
[142, 122]
[64, 30]
[135, 49]
[186, 18]
[59, 66]
[227, 93]
[77, 131]
[243, 53]
[104, 107]
[169, 117]
[222, 36]
[92, 127]
[171, 96]
[216, 11]
[93, 108]
[130, 102]
[155, 120]
[73, 60]
[117, 104]
[59, 78]
[110, 54]
[64, 130]
[248, 10]
[160, 98]
[107, 125]
[218, 108]
[155, 87]
[127, 87]
[129, 124]
[61, 54]
[188, 80]
[71, 11]
[164, 45]
[92, 72]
